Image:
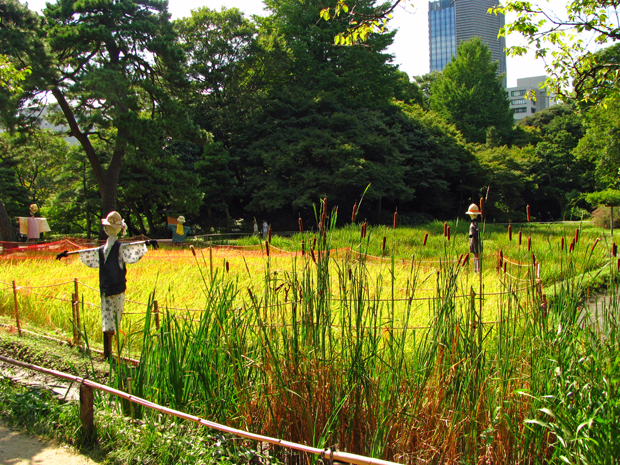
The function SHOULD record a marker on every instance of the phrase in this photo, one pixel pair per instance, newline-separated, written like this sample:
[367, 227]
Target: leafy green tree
[13, 197]
[10, 76]
[112, 67]
[563, 39]
[600, 145]
[470, 94]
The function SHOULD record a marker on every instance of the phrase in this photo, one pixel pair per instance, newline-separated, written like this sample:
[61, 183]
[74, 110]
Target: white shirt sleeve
[90, 258]
[132, 253]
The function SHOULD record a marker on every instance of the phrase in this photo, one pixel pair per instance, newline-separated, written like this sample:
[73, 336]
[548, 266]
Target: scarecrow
[111, 259]
[31, 226]
[474, 235]
[179, 232]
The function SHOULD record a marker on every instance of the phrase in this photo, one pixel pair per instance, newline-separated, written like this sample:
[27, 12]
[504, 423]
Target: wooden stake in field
[19, 329]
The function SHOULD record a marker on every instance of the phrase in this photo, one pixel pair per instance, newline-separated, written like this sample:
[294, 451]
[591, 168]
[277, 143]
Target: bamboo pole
[156, 312]
[77, 307]
[323, 453]
[211, 261]
[19, 328]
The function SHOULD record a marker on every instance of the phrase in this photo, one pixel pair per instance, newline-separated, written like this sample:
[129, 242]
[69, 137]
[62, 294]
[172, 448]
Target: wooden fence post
[87, 410]
[19, 328]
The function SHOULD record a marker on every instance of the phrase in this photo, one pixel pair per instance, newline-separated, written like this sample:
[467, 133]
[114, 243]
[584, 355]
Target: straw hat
[473, 210]
[181, 219]
[34, 208]
[114, 220]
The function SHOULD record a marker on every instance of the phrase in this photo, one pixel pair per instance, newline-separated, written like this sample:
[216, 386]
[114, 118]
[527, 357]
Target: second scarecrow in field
[474, 234]
[111, 259]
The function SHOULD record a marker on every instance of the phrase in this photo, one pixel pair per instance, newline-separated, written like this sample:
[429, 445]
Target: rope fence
[87, 416]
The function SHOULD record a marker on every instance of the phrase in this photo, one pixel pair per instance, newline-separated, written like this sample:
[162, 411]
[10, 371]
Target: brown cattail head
[562, 244]
[445, 229]
[362, 231]
[350, 274]
[504, 269]
[448, 233]
[594, 245]
[383, 248]
[314, 243]
[354, 213]
[191, 247]
[301, 225]
[481, 207]
[425, 239]
[227, 267]
[571, 247]
[395, 218]
[324, 214]
[269, 235]
[459, 260]
[510, 232]
[312, 255]
[466, 259]
[267, 247]
[614, 250]
[519, 237]
[618, 265]
[303, 247]
[527, 209]
[529, 243]
[576, 235]
[533, 259]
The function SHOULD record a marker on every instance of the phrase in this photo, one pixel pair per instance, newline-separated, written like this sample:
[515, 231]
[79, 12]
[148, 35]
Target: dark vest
[112, 278]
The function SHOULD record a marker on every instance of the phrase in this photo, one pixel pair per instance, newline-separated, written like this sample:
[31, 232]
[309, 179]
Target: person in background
[255, 231]
[265, 229]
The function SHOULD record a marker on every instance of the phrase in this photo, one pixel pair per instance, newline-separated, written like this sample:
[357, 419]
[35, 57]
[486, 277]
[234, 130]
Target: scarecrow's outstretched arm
[152, 242]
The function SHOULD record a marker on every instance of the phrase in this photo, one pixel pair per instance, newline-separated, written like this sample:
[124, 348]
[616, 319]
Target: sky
[410, 48]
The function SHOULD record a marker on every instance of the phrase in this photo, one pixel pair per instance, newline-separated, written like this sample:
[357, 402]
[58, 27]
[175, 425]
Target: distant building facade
[451, 22]
[527, 97]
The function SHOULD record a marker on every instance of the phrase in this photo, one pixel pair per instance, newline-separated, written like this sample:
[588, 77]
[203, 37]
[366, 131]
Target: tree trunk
[7, 233]
[136, 212]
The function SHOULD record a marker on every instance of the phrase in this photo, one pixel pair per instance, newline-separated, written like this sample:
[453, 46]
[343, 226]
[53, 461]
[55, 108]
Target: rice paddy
[398, 351]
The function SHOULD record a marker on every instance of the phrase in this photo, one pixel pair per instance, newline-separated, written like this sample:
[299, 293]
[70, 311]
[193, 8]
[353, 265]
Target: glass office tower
[450, 22]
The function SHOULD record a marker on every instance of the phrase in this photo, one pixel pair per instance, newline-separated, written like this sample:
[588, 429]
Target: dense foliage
[224, 118]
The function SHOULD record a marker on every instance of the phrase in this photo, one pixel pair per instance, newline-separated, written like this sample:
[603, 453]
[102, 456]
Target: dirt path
[21, 449]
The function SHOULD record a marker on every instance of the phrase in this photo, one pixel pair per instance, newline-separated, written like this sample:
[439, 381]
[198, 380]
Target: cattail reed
[466, 259]
[576, 236]
[312, 255]
[614, 249]
[269, 235]
[572, 246]
[227, 266]
[562, 243]
[267, 247]
[395, 218]
[350, 274]
[383, 248]
[303, 247]
[354, 213]
[481, 207]
[448, 233]
[301, 225]
[519, 237]
[504, 269]
[596, 241]
[445, 229]
[527, 209]
[529, 243]
[191, 247]
[533, 259]
[425, 239]
[510, 232]
[458, 262]
[618, 265]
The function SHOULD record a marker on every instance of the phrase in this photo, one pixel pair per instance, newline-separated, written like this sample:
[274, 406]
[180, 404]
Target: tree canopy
[470, 94]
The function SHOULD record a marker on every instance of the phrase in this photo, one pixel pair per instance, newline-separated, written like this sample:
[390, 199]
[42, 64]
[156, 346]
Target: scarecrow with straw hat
[111, 259]
[179, 232]
[474, 235]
